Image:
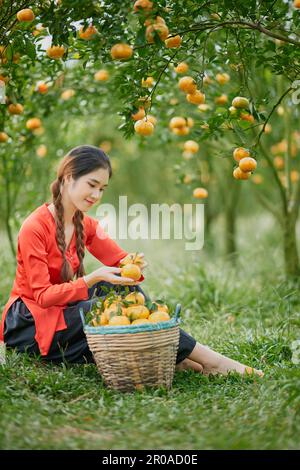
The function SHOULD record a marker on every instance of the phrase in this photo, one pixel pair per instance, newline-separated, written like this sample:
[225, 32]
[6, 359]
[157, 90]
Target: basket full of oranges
[134, 341]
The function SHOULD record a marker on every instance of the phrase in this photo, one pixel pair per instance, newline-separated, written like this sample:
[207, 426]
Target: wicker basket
[132, 357]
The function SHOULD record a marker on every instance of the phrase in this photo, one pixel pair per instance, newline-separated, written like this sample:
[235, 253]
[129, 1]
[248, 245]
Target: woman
[42, 313]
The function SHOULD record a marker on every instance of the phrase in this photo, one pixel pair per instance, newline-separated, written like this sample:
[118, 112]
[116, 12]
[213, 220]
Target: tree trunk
[230, 232]
[291, 256]
[10, 237]
[231, 204]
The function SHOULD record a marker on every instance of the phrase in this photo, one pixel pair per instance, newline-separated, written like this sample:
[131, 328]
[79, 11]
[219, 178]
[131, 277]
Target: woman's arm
[100, 245]
[32, 246]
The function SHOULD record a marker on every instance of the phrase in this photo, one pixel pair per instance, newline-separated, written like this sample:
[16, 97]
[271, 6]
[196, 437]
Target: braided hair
[78, 162]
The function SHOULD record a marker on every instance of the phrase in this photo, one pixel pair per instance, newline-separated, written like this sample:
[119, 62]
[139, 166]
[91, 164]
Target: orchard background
[63, 82]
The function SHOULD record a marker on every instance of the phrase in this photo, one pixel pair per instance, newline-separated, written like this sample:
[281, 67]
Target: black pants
[68, 345]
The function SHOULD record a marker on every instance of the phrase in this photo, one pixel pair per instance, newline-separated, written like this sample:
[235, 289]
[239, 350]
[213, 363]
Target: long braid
[79, 230]
[67, 273]
[78, 162]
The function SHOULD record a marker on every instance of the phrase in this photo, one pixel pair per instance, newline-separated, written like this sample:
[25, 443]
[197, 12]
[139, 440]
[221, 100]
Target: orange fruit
[131, 270]
[25, 15]
[279, 163]
[67, 94]
[187, 85]
[16, 58]
[297, 3]
[238, 174]
[42, 88]
[281, 147]
[112, 301]
[87, 33]
[159, 316]
[55, 52]
[33, 123]
[37, 31]
[181, 68]
[222, 78]
[145, 5]
[103, 320]
[232, 110]
[145, 102]
[121, 51]
[4, 79]
[132, 258]
[143, 127]
[16, 108]
[187, 179]
[41, 151]
[160, 28]
[247, 117]
[140, 114]
[148, 82]
[240, 102]
[200, 193]
[294, 176]
[119, 320]
[196, 98]
[190, 122]
[181, 130]
[3, 137]
[135, 297]
[203, 107]
[160, 307]
[239, 153]
[140, 321]
[176, 122]
[101, 76]
[135, 312]
[152, 119]
[207, 80]
[221, 99]
[173, 42]
[191, 146]
[247, 164]
[105, 145]
[157, 20]
[257, 179]
[114, 305]
[111, 311]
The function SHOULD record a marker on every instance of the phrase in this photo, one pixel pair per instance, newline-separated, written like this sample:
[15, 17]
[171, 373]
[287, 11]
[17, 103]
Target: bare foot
[222, 365]
[189, 364]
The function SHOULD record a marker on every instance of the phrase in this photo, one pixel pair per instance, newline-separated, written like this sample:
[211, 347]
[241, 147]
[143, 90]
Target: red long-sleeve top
[37, 281]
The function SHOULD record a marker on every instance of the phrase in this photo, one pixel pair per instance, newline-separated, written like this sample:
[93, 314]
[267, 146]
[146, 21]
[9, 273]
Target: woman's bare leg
[215, 363]
[189, 364]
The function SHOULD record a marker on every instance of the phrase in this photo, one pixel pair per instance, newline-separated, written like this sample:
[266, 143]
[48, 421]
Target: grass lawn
[248, 312]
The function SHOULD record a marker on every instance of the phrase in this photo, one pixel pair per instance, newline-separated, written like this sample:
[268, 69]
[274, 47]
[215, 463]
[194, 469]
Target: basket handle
[177, 311]
[82, 316]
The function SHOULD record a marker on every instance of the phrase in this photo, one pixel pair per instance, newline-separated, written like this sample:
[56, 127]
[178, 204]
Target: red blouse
[37, 281]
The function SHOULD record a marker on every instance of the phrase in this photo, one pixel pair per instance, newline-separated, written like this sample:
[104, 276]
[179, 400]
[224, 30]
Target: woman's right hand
[108, 274]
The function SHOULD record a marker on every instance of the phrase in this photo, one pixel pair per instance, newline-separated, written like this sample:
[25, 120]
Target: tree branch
[270, 114]
[255, 26]
[159, 78]
[268, 205]
[275, 174]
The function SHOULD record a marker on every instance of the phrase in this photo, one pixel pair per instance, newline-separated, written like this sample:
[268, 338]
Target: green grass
[247, 312]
